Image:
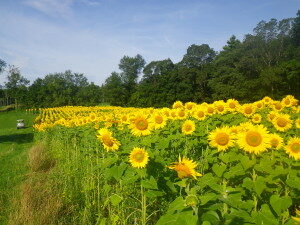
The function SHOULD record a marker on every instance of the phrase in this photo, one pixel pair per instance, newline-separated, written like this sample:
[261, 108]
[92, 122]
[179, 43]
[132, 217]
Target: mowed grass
[14, 145]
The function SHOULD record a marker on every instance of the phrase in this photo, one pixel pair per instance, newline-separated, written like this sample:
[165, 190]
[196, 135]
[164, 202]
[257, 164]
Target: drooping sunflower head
[275, 141]
[293, 148]
[138, 157]
[140, 126]
[256, 118]
[108, 141]
[185, 168]
[177, 105]
[188, 127]
[254, 140]
[221, 138]
[282, 122]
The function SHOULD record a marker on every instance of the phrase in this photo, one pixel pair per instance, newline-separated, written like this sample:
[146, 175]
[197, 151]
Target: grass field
[14, 145]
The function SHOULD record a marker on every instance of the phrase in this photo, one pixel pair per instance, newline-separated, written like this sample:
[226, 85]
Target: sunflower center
[281, 122]
[141, 124]
[200, 114]
[295, 147]
[173, 114]
[259, 105]
[139, 157]
[248, 110]
[182, 170]
[188, 127]
[181, 113]
[220, 108]
[287, 101]
[231, 105]
[253, 138]
[274, 142]
[158, 119]
[222, 139]
[272, 116]
[278, 106]
[189, 107]
[210, 110]
[107, 140]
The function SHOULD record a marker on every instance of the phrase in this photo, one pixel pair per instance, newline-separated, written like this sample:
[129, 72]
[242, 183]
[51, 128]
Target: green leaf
[210, 216]
[219, 169]
[259, 185]
[115, 199]
[181, 218]
[177, 205]
[150, 183]
[153, 194]
[207, 197]
[234, 171]
[280, 204]
[265, 216]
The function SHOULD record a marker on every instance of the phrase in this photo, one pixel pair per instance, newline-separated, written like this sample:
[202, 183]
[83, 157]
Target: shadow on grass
[17, 138]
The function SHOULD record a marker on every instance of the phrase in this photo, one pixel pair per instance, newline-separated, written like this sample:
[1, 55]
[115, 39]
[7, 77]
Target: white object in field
[20, 124]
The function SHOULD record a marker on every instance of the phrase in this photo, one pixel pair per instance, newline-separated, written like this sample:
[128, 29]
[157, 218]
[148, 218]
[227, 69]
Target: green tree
[113, 90]
[296, 30]
[130, 68]
[16, 85]
[197, 55]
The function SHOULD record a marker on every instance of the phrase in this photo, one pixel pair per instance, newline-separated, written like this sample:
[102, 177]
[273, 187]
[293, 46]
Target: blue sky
[91, 36]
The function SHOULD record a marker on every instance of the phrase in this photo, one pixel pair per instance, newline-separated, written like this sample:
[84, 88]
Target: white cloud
[55, 8]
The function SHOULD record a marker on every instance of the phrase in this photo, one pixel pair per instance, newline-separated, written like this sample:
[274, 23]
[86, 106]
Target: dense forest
[265, 63]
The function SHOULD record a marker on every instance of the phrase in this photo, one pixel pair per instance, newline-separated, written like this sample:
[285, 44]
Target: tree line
[265, 63]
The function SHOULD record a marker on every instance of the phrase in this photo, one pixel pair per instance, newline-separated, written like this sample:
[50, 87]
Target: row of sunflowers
[234, 162]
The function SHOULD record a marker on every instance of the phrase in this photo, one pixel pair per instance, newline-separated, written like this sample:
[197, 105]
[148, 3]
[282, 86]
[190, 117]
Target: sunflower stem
[143, 203]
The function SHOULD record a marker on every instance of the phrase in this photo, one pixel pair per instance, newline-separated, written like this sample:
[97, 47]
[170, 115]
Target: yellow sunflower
[256, 118]
[199, 114]
[177, 104]
[247, 110]
[271, 115]
[220, 107]
[108, 141]
[254, 140]
[188, 127]
[210, 110]
[185, 168]
[140, 126]
[181, 114]
[282, 122]
[159, 121]
[190, 105]
[259, 104]
[278, 106]
[293, 148]
[267, 100]
[297, 219]
[138, 157]
[221, 138]
[232, 105]
[276, 141]
[288, 100]
[297, 122]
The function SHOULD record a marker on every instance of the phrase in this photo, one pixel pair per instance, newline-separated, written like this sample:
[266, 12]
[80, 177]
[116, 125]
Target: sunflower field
[218, 163]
